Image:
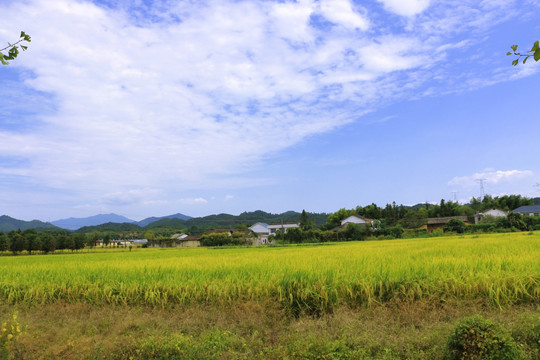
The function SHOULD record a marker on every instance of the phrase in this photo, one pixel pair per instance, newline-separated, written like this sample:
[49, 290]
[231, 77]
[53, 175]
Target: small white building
[264, 230]
[273, 228]
[492, 212]
[355, 219]
[259, 228]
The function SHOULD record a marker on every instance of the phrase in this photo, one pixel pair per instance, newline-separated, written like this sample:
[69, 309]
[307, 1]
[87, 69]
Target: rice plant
[503, 269]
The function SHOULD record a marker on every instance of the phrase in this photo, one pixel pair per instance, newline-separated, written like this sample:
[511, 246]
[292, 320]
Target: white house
[272, 228]
[264, 230]
[492, 212]
[355, 219]
[259, 228]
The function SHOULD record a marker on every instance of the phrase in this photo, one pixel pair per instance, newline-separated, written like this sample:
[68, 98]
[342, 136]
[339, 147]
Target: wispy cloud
[406, 7]
[490, 176]
[193, 201]
[197, 93]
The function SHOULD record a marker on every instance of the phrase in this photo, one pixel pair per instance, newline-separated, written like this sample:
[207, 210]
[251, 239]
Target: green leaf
[513, 47]
[525, 60]
[535, 46]
[13, 52]
[23, 34]
[24, 47]
[537, 55]
[515, 62]
[508, 53]
[2, 59]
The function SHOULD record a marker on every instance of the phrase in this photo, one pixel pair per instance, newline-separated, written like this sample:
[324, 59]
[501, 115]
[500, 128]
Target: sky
[150, 108]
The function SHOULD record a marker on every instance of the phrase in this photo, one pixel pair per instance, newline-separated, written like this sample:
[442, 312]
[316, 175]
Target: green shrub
[527, 333]
[475, 338]
[455, 225]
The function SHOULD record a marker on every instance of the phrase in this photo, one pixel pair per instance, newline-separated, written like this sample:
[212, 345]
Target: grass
[350, 300]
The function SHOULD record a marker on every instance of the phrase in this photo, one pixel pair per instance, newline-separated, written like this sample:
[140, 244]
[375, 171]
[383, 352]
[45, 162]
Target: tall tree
[47, 243]
[4, 245]
[305, 222]
[32, 240]
[17, 242]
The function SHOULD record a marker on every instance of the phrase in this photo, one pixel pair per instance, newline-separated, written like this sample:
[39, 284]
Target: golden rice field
[503, 269]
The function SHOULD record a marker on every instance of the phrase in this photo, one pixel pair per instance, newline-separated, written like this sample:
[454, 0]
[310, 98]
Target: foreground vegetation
[275, 300]
[255, 331]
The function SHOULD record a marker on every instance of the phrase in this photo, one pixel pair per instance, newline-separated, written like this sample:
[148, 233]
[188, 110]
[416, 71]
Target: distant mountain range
[198, 225]
[152, 219]
[114, 222]
[8, 224]
[77, 223]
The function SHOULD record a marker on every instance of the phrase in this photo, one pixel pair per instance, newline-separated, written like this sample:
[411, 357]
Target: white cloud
[491, 177]
[197, 102]
[130, 197]
[406, 7]
[193, 201]
[342, 12]
[291, 20]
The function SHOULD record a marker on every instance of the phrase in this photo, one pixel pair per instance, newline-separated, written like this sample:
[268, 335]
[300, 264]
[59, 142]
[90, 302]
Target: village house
[264, 230]
[531, 210]
[492, 212]
[188, 241]
[177, 240]
[439, 222]
[356, 219]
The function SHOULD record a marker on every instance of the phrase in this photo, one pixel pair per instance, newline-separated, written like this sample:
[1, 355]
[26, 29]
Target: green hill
[8, 224]
[231, 221]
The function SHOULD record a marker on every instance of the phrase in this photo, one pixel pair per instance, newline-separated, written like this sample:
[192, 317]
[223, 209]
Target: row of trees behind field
[417, 215]
[31, 241]
[391, 221]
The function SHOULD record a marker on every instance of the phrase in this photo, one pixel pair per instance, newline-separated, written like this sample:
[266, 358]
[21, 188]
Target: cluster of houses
[262, 231]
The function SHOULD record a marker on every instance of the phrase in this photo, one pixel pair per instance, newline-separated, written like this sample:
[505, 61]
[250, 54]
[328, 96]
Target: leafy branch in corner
[14, 49]
[534, 52]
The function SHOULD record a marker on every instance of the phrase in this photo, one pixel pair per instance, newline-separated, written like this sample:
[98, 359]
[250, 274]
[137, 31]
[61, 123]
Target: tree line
[31, 241]
[411, 217]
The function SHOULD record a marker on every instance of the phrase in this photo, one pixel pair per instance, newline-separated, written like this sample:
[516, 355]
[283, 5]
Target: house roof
[359, 217]
[176, 236]
[261, 223]
[487, 211]
[285, 223]
[527, 209]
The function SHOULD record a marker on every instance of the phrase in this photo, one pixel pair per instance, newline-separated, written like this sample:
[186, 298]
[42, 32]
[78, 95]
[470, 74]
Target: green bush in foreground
[476, 338]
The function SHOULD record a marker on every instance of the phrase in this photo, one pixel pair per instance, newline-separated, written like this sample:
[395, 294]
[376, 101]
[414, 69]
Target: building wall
[273, 228]
[189, 243]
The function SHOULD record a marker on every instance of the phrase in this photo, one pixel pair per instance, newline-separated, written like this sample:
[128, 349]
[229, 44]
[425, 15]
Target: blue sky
[148, 108]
